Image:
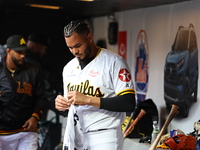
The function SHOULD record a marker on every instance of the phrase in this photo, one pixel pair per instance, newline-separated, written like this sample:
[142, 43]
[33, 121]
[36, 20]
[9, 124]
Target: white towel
[73, 138]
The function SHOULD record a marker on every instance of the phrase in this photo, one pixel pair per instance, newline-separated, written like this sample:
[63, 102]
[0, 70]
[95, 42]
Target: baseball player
[20, 116]
[99, 83]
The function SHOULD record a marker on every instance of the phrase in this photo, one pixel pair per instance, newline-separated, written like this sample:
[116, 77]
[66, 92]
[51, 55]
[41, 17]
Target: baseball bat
[173, 112]
[132, 115]
[128, 123]
[132, 125]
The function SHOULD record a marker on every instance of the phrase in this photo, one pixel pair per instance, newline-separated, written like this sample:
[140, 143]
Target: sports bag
[144, 126]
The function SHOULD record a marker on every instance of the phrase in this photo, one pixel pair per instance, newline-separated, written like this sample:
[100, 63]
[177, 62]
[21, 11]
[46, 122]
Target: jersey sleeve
[121, 77]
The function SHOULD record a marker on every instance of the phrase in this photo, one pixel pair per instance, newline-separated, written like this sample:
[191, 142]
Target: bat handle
[132, 115]
[131, 127]
[173, 112]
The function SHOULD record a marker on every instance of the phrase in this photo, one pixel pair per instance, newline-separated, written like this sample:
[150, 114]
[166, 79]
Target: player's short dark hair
[76, 26]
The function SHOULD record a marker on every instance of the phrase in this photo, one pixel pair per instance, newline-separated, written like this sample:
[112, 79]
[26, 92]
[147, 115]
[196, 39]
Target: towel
[73, 138]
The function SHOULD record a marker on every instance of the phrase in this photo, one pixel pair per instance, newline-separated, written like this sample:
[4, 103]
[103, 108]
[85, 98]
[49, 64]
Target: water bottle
[155, 131]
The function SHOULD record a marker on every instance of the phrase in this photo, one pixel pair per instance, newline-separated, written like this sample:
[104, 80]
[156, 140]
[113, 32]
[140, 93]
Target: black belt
[97, 130]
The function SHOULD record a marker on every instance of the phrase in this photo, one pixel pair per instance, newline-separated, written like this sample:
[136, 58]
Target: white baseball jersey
[107, 75]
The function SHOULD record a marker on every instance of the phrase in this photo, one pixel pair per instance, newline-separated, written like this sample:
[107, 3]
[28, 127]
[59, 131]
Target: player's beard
[18, 62]
[87, 53]
[87, 58]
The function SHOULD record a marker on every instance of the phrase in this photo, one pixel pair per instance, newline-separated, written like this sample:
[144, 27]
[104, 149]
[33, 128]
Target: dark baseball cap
[17, 43]
[39, 37]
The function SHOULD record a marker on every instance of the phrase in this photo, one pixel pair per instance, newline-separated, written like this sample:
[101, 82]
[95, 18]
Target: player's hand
[62, 103]
[30, 124]
[75, 97]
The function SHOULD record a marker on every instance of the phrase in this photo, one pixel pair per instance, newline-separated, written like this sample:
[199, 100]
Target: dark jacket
[29, 99]
[8, 85]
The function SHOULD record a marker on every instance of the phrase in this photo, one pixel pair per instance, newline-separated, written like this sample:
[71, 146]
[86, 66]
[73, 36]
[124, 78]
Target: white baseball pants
[19, 141]
[111, 139]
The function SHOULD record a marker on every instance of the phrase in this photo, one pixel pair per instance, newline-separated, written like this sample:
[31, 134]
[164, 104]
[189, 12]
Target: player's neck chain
[12, 71]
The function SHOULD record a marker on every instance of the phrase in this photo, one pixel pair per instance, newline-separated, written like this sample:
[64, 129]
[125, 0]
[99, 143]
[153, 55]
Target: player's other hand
[62, 103]
[30, 124]
[75, 97]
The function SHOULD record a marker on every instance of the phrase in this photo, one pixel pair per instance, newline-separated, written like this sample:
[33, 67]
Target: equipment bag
[144, 126]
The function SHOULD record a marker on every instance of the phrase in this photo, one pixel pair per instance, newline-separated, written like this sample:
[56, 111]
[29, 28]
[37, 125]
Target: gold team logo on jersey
[86, 89]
